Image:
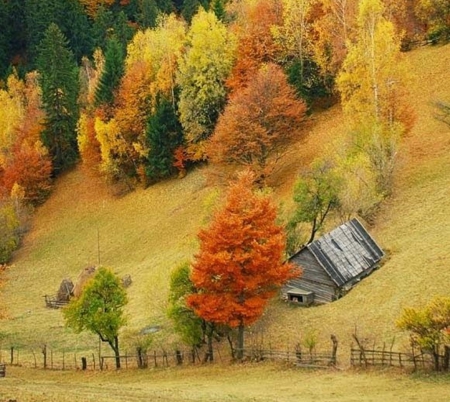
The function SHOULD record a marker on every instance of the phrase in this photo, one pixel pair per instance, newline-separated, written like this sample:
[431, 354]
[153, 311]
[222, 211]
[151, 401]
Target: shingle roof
[346, 252]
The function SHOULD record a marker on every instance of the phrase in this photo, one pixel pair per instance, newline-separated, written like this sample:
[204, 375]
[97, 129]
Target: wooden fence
[48, 358]
[366, 358]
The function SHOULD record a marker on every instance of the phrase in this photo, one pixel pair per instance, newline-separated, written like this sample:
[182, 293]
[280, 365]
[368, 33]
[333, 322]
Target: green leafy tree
[164, 135]
[201, 76]
[316, 194]
[60, 87]
[187, 324]
[99, 309]
[112, 72]
[429, 326]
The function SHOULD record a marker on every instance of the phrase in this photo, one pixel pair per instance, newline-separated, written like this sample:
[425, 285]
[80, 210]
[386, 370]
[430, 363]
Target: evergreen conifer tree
[164, 135]
[60, 87]
[112, 73]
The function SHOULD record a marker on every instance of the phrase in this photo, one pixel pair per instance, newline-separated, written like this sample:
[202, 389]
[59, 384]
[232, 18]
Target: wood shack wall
[314, 278]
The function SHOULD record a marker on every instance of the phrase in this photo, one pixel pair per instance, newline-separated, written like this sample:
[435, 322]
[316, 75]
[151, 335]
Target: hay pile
[86, 274]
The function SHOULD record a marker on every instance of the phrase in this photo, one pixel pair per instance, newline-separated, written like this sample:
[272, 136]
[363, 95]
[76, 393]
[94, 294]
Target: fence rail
[300, 359]
[365, 358]
[90, 360]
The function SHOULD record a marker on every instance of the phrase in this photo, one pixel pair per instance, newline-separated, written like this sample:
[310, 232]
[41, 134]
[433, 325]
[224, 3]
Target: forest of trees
[140, 90]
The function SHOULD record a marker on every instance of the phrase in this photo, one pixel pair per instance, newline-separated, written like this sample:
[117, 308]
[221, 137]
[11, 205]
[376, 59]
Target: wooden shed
[334, 263]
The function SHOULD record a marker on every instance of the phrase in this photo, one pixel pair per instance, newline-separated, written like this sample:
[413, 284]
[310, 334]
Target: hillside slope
[149, 232]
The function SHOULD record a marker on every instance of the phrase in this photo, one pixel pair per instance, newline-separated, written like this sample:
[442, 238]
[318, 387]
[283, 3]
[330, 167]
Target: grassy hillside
[149, 232]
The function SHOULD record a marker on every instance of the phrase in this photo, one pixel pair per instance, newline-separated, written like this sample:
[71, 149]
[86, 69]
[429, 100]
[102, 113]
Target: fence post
[83, 363]
[44, 352]
[178, 357]
[34, 356]
[64, 360]
[334, 351]
[12, 355]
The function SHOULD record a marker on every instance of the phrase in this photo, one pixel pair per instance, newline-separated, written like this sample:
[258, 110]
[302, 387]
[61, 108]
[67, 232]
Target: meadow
[149, 232]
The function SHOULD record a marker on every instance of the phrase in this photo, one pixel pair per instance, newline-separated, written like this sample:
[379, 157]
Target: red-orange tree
[240, 263]
[259, 123]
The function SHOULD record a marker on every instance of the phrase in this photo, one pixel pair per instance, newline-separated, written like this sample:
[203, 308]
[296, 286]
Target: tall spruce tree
[60, 87]
[70, 17]
[4, 38]
[164, 135]
[112, 73]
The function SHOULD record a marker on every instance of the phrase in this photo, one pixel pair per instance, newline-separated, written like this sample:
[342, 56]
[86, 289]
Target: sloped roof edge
[346, 252]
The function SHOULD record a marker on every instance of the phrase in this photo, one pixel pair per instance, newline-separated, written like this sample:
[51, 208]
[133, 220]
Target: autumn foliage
[258, 123]
[240, 263]
[255, 40]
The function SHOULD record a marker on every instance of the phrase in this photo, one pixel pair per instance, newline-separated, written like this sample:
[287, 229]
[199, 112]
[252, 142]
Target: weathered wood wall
[314, 278]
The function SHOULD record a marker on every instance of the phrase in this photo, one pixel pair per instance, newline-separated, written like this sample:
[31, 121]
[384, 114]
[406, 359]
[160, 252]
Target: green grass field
[149, 232]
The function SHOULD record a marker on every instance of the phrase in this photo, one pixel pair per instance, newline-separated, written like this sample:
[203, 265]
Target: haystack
[86, 274]
[65, 290]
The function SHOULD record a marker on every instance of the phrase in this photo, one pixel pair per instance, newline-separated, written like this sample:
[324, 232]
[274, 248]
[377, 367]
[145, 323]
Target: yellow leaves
[202, 73]
[11, 115]
[108, 135]
[294, 36]
[159, 48]
[371, 80]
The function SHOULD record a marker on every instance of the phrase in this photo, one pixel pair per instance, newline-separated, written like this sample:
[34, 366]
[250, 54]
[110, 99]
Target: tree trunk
[436, 360]
[240, 341]
[209, 337]
[115, 348]
[446, 362]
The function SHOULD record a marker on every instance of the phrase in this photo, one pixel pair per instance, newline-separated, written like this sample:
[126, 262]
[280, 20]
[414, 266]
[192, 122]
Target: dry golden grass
[149, 232]
[262, 383]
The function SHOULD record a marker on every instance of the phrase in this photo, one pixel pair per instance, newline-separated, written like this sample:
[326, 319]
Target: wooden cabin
[333, 264]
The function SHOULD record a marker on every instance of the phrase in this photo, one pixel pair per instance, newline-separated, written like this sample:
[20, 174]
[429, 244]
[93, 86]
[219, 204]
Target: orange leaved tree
[240, 264]
[259, 123]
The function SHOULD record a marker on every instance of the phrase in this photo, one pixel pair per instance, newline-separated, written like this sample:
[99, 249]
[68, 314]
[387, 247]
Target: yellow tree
[372, 84]
[12, 112]
[334, 26]
[150, 68]
[372, 79]
[202, 73]
[161, 49]
[294, 36]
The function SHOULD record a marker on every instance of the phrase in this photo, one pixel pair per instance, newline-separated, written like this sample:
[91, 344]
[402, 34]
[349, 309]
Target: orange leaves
[240, 263]
[30, 168]
[258, 123]
[256, 45]
[92, 6]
